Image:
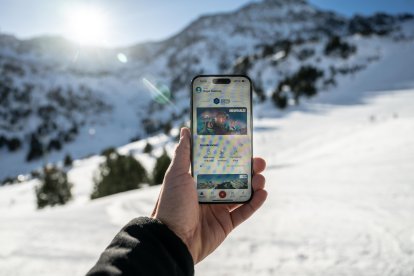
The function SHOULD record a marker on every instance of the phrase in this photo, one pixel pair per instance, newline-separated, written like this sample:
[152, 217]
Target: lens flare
[122, 57]
[159, 92]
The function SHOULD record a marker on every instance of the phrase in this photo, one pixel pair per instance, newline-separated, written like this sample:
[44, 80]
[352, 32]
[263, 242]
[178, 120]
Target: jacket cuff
[173, 244]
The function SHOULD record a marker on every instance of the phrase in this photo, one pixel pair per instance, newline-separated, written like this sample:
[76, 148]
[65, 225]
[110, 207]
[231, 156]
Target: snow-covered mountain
[339, 165]
[58, 98]
[339, 177]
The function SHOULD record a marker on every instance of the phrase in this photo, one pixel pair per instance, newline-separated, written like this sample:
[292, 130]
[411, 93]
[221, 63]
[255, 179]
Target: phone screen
[222, 138]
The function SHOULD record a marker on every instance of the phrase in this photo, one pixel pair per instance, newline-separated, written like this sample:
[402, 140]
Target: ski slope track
[340, 179]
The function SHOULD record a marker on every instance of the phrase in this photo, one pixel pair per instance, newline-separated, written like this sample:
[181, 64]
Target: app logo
[216, 100]
[198, 89]
[222, 194]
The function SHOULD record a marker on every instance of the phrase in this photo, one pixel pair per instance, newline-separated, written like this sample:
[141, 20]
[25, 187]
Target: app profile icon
[216, 100]
[222, 194]
[198, 89]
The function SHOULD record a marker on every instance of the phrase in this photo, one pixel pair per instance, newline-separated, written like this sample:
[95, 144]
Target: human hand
[201, 227]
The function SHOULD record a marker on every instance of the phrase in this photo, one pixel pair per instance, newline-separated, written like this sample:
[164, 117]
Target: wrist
[186, 238]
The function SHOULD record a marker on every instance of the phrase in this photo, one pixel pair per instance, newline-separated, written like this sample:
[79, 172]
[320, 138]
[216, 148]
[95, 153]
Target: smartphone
[221, 138]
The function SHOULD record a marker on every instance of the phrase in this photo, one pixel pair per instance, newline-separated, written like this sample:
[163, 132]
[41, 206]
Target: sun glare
[87, 25]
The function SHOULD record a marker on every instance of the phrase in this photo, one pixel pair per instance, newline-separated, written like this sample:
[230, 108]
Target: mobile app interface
[222, 149]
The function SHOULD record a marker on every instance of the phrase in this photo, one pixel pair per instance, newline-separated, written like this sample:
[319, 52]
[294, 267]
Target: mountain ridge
[56, 96]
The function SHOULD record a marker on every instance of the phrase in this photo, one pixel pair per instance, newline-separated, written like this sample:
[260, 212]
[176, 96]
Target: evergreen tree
[3, 141]
[167, 127]
[119, 173]
[260, 93]
[67, 162]
[54, 188]
[106, 152]
[14, 144]
[54, 144]
[161, 166]
[301, 83]
[337, 47]
[280, 99]
[148, 148]
[36, 148]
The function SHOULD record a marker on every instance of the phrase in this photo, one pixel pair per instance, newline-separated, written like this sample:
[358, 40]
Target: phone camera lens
[221, 81]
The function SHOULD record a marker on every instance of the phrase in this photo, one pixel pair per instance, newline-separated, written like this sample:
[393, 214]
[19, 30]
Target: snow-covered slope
[340, 181]
[58, 98]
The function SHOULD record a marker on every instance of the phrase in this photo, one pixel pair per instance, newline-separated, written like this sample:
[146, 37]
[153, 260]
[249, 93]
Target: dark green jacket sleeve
[145, 247]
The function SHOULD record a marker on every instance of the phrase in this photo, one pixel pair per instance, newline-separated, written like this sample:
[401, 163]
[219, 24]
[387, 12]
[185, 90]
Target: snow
[340, 165]
[210, 44]
[340, 181]
[341, 196]
[31, 240]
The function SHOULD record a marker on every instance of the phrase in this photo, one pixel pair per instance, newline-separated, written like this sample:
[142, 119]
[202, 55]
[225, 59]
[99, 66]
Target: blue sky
[131, 21]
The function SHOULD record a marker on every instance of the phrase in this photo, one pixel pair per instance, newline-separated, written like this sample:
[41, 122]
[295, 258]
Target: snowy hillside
[340, 182]
[58, 98]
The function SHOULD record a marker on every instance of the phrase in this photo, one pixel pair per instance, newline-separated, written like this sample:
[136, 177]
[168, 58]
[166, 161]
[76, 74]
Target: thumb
[181, 160]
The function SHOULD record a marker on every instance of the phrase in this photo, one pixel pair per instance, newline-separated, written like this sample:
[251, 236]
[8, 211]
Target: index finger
[259, 164]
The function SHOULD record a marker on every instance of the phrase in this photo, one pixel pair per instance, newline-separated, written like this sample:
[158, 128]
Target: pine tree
[337, 47]
[36, 148]
[106, 152]
[280, 99]
[161, 166]
[119, 173]
[55, 189]
[67, 162]
[167, 127]
[14, 144]
[302, 83]
[148, 148]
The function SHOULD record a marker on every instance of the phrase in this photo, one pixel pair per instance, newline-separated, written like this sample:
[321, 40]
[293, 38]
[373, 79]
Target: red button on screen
[222, 194]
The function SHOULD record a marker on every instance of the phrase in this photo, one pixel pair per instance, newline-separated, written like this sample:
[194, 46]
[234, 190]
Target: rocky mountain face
[57, 98]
